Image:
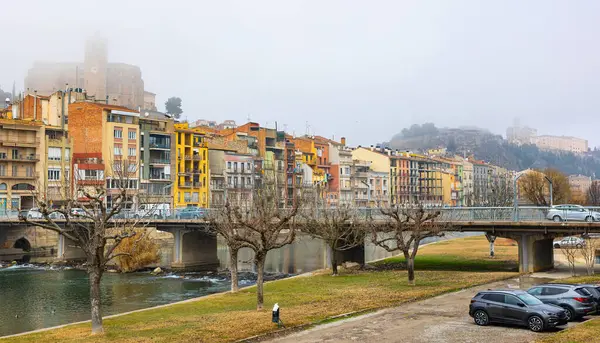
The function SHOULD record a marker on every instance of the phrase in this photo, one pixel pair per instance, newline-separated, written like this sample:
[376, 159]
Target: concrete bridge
[196, 249]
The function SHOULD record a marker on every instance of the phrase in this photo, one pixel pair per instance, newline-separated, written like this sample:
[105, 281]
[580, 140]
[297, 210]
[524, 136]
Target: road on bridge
[443, 319]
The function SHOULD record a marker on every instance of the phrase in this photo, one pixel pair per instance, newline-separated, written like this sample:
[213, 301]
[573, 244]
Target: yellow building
[191, 181]
[447, 187]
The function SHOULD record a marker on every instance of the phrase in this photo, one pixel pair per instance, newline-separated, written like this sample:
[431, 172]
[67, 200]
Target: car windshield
[529, 299]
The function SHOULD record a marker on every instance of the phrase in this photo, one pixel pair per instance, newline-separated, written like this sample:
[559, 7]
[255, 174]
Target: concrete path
[442, 319]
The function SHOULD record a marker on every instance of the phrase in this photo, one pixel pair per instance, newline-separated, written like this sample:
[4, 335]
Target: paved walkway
[443, 319]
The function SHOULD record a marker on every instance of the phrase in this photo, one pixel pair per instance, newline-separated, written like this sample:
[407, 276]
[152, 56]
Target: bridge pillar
[536, 252]
[194, 250]
[69, 250]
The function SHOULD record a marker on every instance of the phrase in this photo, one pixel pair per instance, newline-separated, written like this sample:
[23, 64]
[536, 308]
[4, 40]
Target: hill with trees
[494, 149]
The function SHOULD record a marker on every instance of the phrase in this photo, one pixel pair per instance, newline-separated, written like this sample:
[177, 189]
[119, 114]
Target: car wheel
[557, 219]
[136, 217]
[569, 315]
[481, 318]
[579, 246]
[536, 324]
[557, 246]
[589, 219]
[196, 217]
[156, 216]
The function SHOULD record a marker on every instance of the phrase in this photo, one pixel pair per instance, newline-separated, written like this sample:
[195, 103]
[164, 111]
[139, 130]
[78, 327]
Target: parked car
[594, 291]
[77, 212]
[190, 213]
[33, 213]
[570, 242]
[56, 215]
[561, 213]
[515, 307]
[153, 211]
[576, 300]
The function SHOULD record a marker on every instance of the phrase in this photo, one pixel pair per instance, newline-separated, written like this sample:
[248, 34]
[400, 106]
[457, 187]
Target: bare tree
[593, 194]
[588, 251]
[570, 253]
[535, 187]
[403, 230]
[224, 223]
[93, 226]
[263, 226]
[339, 227]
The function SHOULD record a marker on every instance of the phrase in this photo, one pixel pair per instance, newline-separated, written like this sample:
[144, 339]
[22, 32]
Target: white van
[157, 211]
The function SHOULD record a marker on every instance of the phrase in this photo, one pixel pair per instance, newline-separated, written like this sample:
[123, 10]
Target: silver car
[576, 300]
[570, 242]
[561, 213]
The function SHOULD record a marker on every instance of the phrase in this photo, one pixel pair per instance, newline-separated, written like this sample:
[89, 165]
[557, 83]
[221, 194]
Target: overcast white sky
[360, 69]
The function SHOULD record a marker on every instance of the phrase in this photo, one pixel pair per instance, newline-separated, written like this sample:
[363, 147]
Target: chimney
[343, 141]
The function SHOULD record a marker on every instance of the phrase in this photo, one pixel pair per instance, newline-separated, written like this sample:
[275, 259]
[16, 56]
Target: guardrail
[447, 214]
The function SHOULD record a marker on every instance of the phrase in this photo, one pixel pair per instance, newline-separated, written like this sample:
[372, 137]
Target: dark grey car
[515, 307]
[576, 300]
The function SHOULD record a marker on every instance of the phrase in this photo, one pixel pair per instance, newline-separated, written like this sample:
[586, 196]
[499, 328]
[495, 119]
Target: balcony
[217, 187]
[191, 157]
[19, 175]
[185, 185]
[361, 175]
[160, 146]
[20, 158]
[160, 161]
[160, 177]
[25, 143]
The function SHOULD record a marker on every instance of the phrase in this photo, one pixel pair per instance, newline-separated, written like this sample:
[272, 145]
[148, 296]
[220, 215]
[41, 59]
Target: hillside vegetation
[494, 149]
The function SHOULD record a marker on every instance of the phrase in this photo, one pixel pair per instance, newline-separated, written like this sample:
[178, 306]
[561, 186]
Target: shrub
[143, 250]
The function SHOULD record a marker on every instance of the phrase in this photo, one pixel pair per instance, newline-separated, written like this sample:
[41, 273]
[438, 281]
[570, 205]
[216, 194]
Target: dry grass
[304, 300]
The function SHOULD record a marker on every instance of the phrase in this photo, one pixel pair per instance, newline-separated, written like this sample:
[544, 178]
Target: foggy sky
[360, 69]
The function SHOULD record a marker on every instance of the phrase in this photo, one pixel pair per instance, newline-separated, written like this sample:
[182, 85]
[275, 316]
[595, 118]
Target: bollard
[275, 317]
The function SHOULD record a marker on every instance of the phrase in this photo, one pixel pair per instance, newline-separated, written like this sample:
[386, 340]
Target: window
[29, 171]
[235, 164]
[15, 170]
[15, 154]
[90, 173]
[132, 135]
[248, 166]
[131, 151]
[248, 181]
[67, 154]
[53, 174]
[2, 170]
[228, 165]
[2, 186]
[118, 133]
[229, 182]
[117, 150]
[553, 290]
[132, 167]
[499, 298]
[512, 300]
[54, 154]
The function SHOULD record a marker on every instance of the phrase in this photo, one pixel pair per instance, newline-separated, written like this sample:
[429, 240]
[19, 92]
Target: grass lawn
[587, 332]
[303, 300]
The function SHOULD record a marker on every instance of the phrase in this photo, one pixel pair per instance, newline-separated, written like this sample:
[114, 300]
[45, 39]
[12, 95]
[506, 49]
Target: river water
[34, 297]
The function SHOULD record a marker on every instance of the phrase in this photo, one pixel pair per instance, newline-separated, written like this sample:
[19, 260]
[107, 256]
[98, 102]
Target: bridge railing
[447, 214]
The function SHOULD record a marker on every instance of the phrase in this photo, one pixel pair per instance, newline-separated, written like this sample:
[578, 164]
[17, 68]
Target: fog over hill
[484, 145]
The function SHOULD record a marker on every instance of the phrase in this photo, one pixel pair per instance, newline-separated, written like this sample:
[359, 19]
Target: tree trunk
[334, 265]
[233, 269]
[260, 266]
[410, 266]
[95, 274]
